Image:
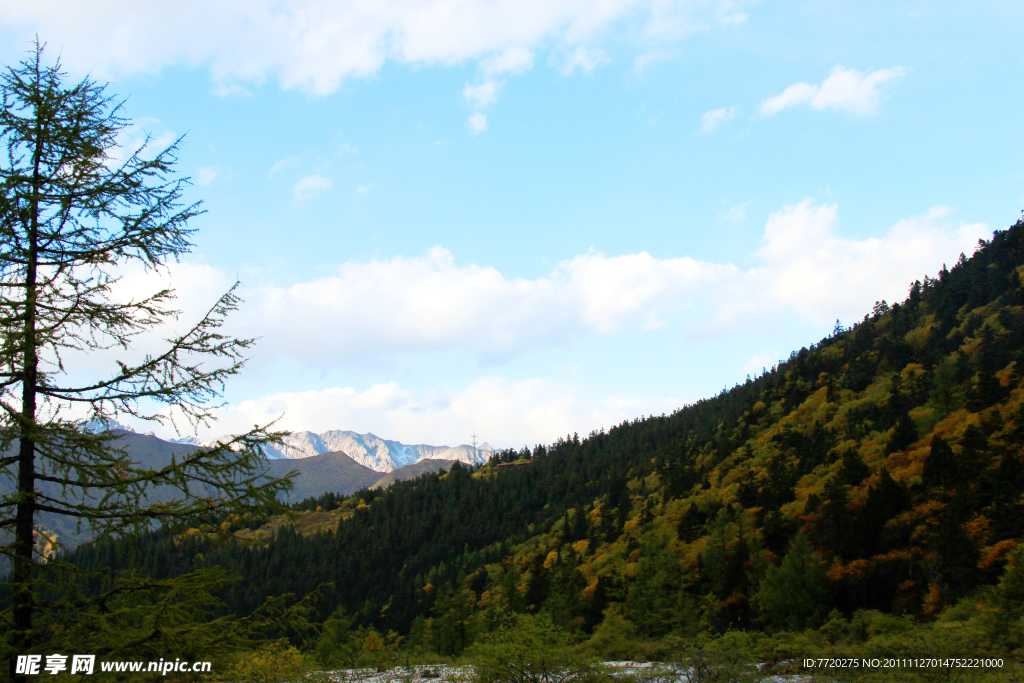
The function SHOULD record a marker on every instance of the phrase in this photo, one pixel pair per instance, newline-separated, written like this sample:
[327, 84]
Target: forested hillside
[878, 469]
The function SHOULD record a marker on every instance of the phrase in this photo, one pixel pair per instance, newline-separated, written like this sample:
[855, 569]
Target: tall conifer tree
[73, 211]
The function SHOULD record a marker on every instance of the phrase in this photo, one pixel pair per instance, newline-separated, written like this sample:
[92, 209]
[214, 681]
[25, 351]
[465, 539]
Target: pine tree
[654, 597]
[795, 595]
[72, 213]
[940, 467]
[903, 435]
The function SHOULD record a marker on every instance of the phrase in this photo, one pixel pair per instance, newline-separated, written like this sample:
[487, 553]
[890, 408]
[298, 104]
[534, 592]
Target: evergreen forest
[869, 487]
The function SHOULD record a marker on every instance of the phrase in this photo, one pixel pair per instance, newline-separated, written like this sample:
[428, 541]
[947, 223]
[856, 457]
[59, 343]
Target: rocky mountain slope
[327, 472]
[418, 469]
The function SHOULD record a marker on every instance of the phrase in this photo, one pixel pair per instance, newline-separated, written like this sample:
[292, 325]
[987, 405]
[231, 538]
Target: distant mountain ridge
[327, 472]
[330, 472]
[369, 450]
[426, 466]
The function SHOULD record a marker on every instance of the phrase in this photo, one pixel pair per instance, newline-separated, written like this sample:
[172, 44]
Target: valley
[873, 483]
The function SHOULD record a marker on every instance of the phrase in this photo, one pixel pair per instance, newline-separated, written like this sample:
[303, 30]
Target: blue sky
[527, 219]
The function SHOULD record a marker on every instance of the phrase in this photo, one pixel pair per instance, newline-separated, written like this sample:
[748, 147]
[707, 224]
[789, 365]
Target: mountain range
[331, 472]
[369, 450]
[335, 472]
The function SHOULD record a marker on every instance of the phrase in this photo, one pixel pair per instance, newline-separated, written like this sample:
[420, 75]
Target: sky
[524, 219]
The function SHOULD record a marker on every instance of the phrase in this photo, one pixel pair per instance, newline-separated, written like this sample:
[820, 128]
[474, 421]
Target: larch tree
[75, 210]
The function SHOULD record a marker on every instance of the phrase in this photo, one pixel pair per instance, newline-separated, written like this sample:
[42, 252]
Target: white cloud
[504, 413]
[284, 163]
[425, 304]
[386, 309]
[362, 189]
[207, 174]
[735, 214]
[377, 397]
[585, 59]
[710, 121]
[314, 45]
[480, 97]
[652, 321]
[607, 292]
[762, 361]
[197, 288]
[311, 187]
[483, 95]
[823, 276]
[515, 60]
[843, 89]
[230, 90]
[382, 310]
[731, 13]
[477, 123]
[671, 21]
[645, 59]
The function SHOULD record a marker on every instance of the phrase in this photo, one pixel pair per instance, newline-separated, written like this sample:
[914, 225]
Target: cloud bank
[316, 45]
[387, 308]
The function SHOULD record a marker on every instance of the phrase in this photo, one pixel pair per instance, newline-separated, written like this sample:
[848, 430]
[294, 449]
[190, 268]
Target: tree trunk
[25, 517]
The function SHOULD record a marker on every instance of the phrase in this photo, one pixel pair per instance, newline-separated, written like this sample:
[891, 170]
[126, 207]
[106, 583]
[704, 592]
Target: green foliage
[338, 647]
[530, 649]
[275, 662]
[1007, 621]
[795, 595]
[343, 646]
[654, 599]
[566, 582]
[453, 625]
[615, 638]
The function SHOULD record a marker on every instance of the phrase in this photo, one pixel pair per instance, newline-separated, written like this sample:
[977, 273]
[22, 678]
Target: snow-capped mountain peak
[371, 451]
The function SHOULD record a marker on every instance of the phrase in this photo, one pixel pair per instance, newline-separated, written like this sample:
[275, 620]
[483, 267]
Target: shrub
[531, 649]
